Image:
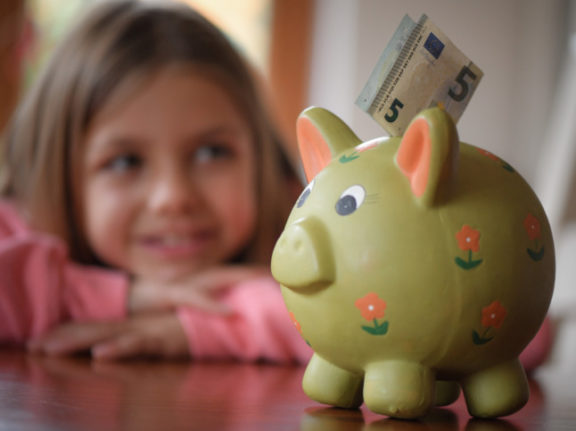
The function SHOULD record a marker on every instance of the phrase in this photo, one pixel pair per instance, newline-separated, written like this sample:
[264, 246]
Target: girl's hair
[117, 42]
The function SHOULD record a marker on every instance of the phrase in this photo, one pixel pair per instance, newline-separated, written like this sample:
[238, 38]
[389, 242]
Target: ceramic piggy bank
[413, 266]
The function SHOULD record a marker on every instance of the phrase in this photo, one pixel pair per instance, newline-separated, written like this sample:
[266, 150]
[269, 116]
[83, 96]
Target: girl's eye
[123, 163]
[208, 153]
[350, 200]
[304, 195]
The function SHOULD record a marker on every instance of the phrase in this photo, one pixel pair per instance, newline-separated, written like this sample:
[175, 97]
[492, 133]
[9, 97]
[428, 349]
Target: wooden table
[65, 394]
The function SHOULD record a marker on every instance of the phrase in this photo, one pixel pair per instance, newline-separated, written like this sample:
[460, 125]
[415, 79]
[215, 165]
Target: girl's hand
[154, 335]
[200, 290]
[153, 329]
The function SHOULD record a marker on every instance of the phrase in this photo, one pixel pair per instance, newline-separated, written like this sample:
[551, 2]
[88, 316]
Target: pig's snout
[302, 256]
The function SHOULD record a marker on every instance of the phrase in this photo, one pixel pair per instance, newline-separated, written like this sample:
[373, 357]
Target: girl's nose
[173, 192]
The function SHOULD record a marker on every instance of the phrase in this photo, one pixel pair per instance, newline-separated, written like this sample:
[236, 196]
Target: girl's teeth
[174, 240]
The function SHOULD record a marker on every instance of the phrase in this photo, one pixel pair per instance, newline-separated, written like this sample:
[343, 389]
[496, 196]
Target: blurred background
[321, 52]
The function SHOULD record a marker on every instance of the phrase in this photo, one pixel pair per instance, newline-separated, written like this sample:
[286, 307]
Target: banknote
[419, 68]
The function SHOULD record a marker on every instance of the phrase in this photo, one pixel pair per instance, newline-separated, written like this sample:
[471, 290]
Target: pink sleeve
[95, 293]
[40, 288]
[259, 328]
[538, 350]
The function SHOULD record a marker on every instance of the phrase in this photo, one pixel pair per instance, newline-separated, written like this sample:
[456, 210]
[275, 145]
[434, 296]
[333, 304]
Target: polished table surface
[66, 394]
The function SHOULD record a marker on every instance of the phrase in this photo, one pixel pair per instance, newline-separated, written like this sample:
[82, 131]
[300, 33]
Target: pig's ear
[428, 155]
[321, 136]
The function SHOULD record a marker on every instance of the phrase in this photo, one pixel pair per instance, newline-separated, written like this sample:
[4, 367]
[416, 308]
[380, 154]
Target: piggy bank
[414, 267]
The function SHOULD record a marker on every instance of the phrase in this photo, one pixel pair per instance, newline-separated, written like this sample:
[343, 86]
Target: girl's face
[168, 178]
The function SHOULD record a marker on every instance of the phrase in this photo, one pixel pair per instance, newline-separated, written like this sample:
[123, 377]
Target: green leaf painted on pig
[345, 158]
[535, 255]
[377, 329]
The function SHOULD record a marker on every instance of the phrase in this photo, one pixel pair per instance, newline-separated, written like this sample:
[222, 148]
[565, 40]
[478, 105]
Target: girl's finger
[72, 338]
[200, 300]
[201, 291]
[223, 277]
[121, 347]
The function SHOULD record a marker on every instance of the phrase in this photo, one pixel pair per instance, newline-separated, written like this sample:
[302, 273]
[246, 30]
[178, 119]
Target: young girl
[144, 188]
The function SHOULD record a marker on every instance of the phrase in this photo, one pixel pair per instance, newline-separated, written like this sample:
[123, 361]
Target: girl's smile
[168, 185]
[172, 245]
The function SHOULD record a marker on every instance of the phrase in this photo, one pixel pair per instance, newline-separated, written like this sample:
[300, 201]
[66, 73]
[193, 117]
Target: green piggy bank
[413, 266]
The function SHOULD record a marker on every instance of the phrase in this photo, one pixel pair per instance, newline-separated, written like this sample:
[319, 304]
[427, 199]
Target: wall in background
[517, 44]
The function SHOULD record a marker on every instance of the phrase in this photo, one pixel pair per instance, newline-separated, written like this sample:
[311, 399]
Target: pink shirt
[41, 288]
[258, 327]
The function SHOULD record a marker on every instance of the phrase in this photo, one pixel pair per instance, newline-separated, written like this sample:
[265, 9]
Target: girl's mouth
[177, 246]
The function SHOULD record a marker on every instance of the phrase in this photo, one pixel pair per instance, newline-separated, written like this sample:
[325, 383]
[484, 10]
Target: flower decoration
[368, 145]
[295, 323]
[298, 327]
[532, 227]
[373, 308]
[365, 146]
[347, 158]
[488, 154]
[468, 240]
[496, 159]
[493, 316]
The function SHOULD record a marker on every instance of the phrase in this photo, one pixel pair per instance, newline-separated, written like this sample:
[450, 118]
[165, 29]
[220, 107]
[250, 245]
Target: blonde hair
[116, 41]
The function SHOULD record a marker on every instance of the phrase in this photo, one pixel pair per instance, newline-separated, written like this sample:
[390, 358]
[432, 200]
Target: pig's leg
[399, 389]
[446, 392]
[496, 391]
[328, 384]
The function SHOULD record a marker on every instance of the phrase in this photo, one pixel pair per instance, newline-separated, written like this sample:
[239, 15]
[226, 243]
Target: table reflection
[78, 394]
[41, 393]
[439, 419]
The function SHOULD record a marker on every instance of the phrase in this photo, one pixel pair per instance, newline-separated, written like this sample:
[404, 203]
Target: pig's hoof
[446, 393]
[399, 389]
[328, 384]
[497, 391]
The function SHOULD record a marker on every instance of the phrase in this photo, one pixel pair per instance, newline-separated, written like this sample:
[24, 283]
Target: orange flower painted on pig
[533, 229]
[468, 240]
[373, 308]
[493, 316]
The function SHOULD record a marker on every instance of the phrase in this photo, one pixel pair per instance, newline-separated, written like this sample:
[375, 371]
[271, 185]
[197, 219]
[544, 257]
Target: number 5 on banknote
[419, 68]
[464, 85]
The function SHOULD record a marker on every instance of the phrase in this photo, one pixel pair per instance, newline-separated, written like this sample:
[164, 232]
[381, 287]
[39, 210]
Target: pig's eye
[350, 200]
[304, 195]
